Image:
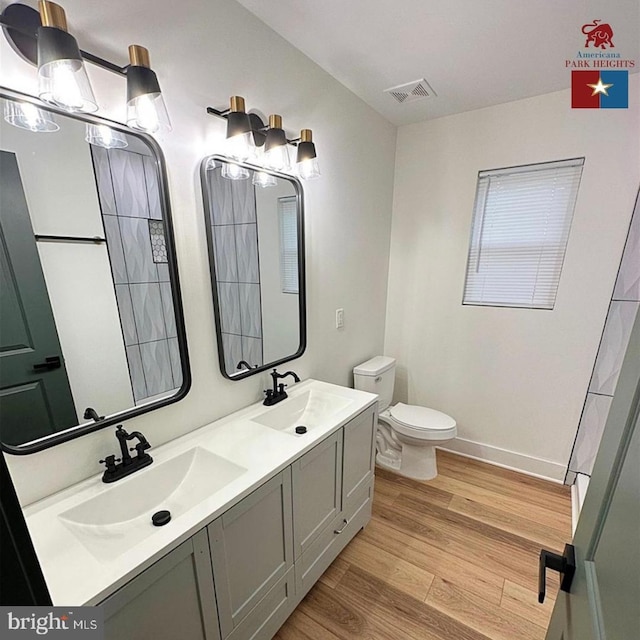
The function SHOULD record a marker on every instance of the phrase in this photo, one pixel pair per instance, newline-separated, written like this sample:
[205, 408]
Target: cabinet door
[317, 487]
[251, 548]
[174, 598]
[358, 463]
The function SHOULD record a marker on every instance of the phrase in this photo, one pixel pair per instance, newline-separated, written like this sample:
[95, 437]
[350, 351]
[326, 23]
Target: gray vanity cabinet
[252, 553]
[320, 538]
[242, 576]
[174, 598]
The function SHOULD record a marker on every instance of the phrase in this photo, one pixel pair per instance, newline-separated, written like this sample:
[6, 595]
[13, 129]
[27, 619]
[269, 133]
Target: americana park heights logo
[599, 75]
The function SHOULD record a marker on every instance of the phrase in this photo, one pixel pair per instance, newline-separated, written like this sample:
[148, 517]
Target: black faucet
[246, 365]
[91, 414]
[277, 394]
[127, 464]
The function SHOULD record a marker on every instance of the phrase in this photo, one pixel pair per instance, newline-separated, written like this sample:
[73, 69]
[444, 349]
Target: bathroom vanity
[258, 514]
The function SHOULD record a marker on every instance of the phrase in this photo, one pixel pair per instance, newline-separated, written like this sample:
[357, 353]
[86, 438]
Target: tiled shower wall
[615, 339]
[129, 197]
[235, 237]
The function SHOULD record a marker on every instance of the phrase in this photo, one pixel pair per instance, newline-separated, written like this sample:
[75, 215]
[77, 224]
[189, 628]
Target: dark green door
[35, 397]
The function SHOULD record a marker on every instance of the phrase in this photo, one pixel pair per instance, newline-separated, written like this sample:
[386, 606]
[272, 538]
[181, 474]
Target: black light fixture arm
[20, 24]
[223, 113]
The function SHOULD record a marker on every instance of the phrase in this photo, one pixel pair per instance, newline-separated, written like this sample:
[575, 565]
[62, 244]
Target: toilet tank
[376, 376]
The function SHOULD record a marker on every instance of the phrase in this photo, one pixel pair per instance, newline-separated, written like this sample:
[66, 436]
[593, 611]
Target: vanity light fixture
[276, 152]
[146, 110]
[27, 116]
[62, 77]
[41, 37]
[102, 135]
[246, 137]
[306, 160]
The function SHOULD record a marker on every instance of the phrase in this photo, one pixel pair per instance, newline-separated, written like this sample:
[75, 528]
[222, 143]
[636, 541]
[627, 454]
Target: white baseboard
[578, 492]
[537, 467]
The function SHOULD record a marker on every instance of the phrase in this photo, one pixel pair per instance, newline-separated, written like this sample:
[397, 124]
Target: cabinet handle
[342, 528]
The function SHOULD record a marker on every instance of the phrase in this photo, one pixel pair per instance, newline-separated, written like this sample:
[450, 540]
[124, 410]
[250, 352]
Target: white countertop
[75, 576]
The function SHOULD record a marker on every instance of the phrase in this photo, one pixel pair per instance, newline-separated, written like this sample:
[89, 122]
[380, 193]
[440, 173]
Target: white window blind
[288, 210]
[521, 222]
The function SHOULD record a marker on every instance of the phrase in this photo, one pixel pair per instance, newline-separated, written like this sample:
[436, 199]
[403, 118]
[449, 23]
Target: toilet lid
[417, 417]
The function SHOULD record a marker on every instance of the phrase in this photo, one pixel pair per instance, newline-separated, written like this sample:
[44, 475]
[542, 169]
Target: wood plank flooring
[455, 558]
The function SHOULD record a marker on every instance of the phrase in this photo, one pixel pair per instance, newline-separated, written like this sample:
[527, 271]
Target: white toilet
[407, 434]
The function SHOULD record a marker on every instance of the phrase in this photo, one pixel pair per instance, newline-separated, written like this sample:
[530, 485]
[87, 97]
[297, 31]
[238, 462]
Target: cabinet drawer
[264, 620]
[333, 539]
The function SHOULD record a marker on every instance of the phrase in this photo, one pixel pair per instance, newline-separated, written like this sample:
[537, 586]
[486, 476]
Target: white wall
[514, 379]
[203, 54]
[280, 311]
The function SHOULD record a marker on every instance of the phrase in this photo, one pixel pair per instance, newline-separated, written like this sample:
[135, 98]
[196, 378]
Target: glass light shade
[277, 158]
[27, 116]
[240, 147]
[234, 172]
[308, 169]
[211, 164]
[148, 113]
[65, 84]
[262, 179]
[102, 135]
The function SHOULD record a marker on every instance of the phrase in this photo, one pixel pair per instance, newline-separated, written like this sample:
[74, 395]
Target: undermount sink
[120, 517]
[310, 409]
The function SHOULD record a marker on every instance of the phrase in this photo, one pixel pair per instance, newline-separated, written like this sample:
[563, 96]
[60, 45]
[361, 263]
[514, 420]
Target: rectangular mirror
[255, 234]
[91, 326]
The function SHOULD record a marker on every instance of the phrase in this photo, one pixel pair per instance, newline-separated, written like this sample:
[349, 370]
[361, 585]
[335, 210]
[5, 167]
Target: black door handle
[564, 564]
[49, 363]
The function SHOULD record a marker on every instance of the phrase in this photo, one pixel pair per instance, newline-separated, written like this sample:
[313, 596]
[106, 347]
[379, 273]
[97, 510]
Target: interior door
[604, 598]
[35, 396]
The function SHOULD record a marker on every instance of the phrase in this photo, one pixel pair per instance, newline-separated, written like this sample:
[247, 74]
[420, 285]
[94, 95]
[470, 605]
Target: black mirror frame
[302, 289]
[110, 420]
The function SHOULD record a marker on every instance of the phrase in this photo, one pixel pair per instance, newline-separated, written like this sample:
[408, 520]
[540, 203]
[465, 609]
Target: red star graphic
[64, 617]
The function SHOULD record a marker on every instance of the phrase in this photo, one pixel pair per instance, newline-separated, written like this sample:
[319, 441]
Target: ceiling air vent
[411, 91]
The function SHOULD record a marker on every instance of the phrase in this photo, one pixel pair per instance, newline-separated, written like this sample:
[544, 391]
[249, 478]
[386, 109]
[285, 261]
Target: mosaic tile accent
[158, 244]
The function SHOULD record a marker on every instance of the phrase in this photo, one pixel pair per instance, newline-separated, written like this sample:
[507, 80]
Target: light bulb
[308, 169]
[27, 116]
[234, 171]
[240, 147]
[277, 158]
[263, 179]
[65, 84]
[146, 114]
[102, 135]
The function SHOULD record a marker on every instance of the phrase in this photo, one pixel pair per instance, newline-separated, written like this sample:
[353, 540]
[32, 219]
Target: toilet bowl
[407, 434]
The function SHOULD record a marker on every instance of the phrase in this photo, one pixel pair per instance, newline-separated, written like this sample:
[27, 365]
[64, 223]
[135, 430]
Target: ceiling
[473, 53]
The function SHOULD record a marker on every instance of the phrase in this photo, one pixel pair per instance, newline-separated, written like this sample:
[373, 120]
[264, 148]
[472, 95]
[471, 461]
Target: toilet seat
[422, 423]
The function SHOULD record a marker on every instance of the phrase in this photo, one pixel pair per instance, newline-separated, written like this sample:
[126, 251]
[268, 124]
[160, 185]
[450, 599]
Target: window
[521, 222]
[288, 214]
